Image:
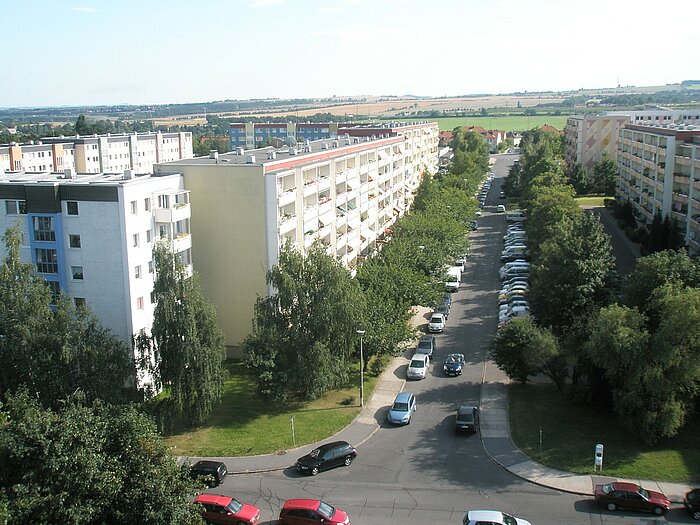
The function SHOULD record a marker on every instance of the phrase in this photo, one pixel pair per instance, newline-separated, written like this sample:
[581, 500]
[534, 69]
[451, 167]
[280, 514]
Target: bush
[348, 401]
[377, 364]
[163, 413]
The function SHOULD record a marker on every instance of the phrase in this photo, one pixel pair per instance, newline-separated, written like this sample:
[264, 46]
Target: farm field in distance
[509, 123]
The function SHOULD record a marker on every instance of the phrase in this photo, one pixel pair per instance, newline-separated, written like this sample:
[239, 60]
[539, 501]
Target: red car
[631, 496]
[306, 511]
[225, 509]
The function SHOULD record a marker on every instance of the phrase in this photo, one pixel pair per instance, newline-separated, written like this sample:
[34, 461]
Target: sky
[92, 52]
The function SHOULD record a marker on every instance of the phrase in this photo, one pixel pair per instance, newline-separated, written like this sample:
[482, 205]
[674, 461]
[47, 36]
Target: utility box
[598, 459]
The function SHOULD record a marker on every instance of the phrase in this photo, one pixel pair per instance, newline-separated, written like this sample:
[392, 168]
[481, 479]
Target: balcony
[287, 197]
[310, 188]
[324, 183]
[182, 242]
[287, 223]
[177, 212]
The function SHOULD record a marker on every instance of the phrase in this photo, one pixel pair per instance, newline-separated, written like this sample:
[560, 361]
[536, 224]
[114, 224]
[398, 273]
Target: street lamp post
[361, 333]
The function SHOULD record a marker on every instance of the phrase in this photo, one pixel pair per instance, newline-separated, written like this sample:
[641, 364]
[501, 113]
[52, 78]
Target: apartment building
[660, 116]
[588, 137]
[97, 154]
[659, 170]
[91, 237]
[249, 135]
[344, 193]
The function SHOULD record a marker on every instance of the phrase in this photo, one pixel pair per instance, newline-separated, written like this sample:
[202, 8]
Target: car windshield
[435, 320]
[235, 506]
[315, 452]
[452, 359]
[509, 520]
[417, 363]
[643, 493]
[466, 417]
[326, 510]
[400, 407]
[607, 489]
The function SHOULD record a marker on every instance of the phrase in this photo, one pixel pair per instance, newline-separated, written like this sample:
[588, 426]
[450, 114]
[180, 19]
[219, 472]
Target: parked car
[515, 311]
[630, 496]
[447, 298]
[225, 509]
[417, 367]
[467, 419]
[512, 304]
[327, 456]
[492, 517]
[212, 473]
[442, 309]
[311, 511]
[453, 365]
[426, 345]
[402, 409]
[501, 194]
[500, 208]
[436, 323]
[511, 298]
[474, 225]
[691, 502]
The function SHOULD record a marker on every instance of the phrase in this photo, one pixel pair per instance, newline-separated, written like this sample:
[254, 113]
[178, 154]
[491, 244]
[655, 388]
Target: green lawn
[570, 432]
[509, 123]
[243, 425]
[591, 200]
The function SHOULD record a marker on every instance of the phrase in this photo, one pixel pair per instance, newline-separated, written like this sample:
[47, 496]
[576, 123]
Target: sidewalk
[494, 431]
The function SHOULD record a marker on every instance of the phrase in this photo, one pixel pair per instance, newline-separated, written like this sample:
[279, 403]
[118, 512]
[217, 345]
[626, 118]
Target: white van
[454, 279]
[515, 216]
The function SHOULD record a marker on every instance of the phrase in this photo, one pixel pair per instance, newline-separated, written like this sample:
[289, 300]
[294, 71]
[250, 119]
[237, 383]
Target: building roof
[550, 129]
[22, 177]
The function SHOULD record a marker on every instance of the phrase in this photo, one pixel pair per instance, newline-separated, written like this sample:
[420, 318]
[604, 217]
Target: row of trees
[304, 337]
[629, 344]
[75, 443]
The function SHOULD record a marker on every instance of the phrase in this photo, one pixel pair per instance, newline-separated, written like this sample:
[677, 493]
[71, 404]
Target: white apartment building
[345, 193]
[660, 116]
[97, 154]
[91, 236]
[659, 170]
[587, 138]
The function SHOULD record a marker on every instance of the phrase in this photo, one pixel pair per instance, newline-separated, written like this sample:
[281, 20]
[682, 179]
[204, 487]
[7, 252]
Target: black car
[467, 419]
[443, 309]
[327, 456]
[426, 345]
[212, 472]
[474, 225]
[447, 298]
[691, 501]
[453, 365]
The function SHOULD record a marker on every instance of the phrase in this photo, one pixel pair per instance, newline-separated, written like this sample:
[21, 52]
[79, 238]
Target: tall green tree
[54, 351]
[579, 180]
[570, 277]
[305, 332]
[88, 463]
[522, 349]
[188, 344]
[605, 176]
[548, 207]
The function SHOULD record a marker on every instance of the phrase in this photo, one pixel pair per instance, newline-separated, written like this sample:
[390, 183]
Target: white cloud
[84, 9]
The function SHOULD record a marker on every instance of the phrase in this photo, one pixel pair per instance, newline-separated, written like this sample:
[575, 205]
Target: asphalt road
[424, 473]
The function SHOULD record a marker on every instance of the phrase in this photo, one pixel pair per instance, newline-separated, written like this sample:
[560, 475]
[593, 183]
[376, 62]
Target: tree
[658, 269]
[188, 345]
[605, 176]
[82, 127]
[549, 206]
[54, 352]
[521, 349]
[88, 464]
[579, 180]
[654, 376]
[570, 277]
[303, 334]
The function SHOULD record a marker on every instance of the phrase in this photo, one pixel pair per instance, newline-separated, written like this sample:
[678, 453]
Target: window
[153, 297]
[55, 289]
[186, 257]
[16, 207]
[46, 261]
[134, 207]
[77, 272]
[135, 240]
[74, 240]
[79, 302]
[149, 235]
[72, 208]
[150, 266]
[137, 272]
[147, 204]
[44, 229]
[139, 303]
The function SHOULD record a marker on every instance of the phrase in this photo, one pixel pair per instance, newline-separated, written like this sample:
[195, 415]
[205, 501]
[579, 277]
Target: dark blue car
[453, 365]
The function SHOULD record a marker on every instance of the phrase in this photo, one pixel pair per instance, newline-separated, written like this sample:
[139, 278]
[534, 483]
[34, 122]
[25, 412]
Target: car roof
[208, 464]
[493, 516]
[429, 337]
[403, 397]
[310, 504]
[620, 485]
[334, 444]
[213, 499]
[420, 356]
[466, 409]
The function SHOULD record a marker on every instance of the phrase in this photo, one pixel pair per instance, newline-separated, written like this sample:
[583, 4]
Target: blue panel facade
[61, 275]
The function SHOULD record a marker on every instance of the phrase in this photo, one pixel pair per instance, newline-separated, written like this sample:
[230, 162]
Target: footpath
[494, 432]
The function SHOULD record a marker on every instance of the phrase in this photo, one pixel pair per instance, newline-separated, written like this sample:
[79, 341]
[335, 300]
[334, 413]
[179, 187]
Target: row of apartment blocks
[659, 171]
[97, 153]
[228, 215]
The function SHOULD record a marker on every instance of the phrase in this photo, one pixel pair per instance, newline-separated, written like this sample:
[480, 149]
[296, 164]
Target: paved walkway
[495, 436]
